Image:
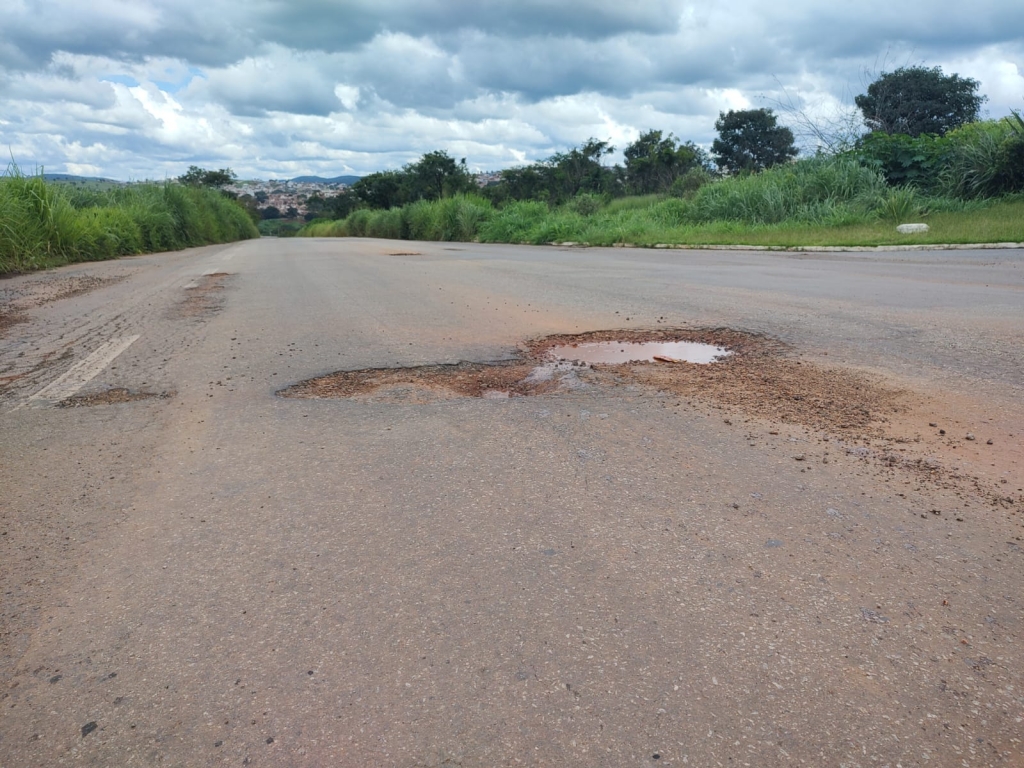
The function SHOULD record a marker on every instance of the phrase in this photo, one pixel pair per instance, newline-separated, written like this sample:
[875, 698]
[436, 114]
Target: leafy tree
[341, 205]
[383, 189]
[654, 161]
[751, 140]
[200, 177]
[904, 159]
[261, 197]
[527, 183]
[580, 170]
[436, 175]
[916, 100]
[271, 212]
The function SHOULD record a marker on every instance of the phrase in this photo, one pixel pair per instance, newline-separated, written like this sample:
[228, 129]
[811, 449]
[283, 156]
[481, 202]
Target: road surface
[196, 571]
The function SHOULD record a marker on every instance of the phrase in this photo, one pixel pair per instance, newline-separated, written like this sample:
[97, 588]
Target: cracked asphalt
[195, 571]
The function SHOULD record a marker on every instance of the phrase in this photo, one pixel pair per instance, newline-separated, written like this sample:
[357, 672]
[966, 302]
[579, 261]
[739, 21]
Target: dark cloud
[269, 85]
[333, 26]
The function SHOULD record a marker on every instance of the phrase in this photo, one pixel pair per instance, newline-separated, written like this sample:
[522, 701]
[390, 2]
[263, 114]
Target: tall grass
[457, 218]
[44, 224]
[817, 201]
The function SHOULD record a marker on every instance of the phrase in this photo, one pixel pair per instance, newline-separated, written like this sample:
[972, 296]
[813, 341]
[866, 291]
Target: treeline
[658, 197]
[926, 147]
[45, 224]
[654, 163]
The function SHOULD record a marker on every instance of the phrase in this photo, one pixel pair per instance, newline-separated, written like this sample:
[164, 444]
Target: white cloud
[135, 88]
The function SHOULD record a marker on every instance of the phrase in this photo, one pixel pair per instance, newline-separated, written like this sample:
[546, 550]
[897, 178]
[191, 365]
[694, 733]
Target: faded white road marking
[209, 272]
[230, 256]
[85, 370]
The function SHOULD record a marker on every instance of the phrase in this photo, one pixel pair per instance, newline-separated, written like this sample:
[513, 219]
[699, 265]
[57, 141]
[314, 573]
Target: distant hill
[70, 177]
[321, 180]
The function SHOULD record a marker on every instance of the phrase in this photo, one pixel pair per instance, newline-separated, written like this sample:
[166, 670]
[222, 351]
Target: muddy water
[639, 351]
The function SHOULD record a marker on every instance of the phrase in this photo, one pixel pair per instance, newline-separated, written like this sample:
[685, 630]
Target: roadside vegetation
[46, 224]
[927, 159]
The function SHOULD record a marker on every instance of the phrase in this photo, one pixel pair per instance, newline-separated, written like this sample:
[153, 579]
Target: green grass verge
[45, 224]
[814, 202]
[998, 222]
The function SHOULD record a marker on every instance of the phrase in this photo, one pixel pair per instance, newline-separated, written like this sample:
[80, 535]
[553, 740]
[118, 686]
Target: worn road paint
[85, 370]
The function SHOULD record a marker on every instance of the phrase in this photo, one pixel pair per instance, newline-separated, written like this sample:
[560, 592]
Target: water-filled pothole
[759, 377]
[541, 368]
[619, 351]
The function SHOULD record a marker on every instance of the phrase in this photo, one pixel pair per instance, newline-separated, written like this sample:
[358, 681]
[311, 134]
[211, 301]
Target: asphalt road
[210, 574]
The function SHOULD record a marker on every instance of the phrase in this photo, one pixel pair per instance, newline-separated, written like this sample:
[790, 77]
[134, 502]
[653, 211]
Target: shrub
[986, 159]
[900, 205]
[688, 184]
[585, 204]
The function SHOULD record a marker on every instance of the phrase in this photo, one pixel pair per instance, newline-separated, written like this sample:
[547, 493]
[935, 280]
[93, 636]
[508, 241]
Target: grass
[46, 224]
[814, 202]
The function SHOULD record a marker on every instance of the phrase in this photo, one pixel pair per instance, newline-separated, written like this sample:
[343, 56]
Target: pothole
[110, 397]
[204, 297]
[551, 364]
[748, 373]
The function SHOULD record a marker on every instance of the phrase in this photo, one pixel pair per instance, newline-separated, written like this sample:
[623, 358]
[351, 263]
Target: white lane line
[209, 272]
[85, 370]
[230, 256]
[193, 284]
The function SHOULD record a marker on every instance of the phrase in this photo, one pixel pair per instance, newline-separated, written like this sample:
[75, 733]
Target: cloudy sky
[135, 89]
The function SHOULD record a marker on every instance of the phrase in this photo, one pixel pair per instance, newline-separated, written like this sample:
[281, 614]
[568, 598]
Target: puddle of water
[640, 351]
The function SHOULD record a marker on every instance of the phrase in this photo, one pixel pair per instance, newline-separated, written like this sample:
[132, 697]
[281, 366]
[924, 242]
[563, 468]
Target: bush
[688, 184]
[358, 222]
[585, 204]
[386, 224]
[985, 159]
[900, 205]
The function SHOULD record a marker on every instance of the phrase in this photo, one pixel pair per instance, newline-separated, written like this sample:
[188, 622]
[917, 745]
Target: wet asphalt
[219, 576]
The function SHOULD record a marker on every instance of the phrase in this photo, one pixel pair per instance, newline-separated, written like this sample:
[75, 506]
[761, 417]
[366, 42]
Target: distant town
[292, 197]
[275, 198]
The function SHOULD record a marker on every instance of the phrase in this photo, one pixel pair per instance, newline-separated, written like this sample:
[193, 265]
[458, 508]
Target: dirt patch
[404, 253]
[9, 318]
[110, 397]
[203, 298]
[17, 300]
[426, 382]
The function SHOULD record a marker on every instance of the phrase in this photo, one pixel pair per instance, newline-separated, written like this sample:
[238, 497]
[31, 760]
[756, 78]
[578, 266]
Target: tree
[655, 161]
[751, 140]
[916, 100]
[580, 170]
[380, 190]
[436, 175]
[200, 177]
[525, 183]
